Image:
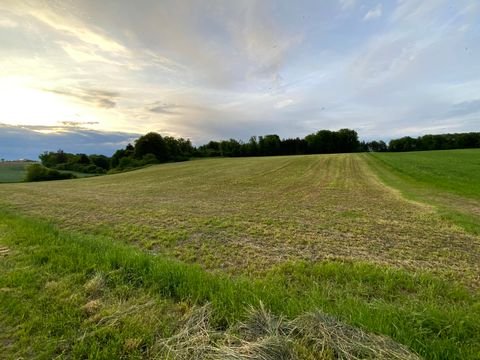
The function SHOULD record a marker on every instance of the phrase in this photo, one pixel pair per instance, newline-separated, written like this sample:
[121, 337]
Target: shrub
[37, 172]
[149, 159]
[128, 163]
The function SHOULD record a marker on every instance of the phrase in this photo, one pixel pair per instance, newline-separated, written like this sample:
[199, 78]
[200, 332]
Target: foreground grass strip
[86, 296]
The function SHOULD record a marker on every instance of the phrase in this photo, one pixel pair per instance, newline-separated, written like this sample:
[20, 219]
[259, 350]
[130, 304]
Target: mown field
[13, 171]
[110, 265]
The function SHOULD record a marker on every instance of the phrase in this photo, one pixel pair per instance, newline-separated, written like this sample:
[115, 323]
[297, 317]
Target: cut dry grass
[264, 336]
[246, 215]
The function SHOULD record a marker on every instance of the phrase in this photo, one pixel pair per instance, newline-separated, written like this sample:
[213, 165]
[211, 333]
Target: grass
[453, 171]
[72, 295]
[13, 171]
[242, 216]
[449, 180]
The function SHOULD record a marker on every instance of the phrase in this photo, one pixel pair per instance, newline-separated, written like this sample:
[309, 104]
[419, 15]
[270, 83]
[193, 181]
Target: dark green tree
[151, 143]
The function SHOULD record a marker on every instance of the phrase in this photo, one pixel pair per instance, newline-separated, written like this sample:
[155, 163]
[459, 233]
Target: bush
[129, 163]
[37, 172]
[149, 159]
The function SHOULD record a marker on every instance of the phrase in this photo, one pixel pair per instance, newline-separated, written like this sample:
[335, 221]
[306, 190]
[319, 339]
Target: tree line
[321, 142]
[436, 142]
[153, 148]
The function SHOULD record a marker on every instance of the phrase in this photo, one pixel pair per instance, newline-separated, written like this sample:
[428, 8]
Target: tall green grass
[436, 319]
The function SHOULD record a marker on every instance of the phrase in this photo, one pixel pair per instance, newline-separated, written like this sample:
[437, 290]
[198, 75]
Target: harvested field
[245, 215]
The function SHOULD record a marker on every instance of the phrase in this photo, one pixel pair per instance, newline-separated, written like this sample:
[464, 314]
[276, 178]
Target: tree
[52, 159]
[406, 143]
[100, 161]
[151, 143]
[83, 159]
[211, 149]
[171, 144]
[295, 146]
[185, 147]
[252, 147]
[230, 148]
[322, 142]
[121, 153]
[269, 144]
[375, 146]
[346, 141]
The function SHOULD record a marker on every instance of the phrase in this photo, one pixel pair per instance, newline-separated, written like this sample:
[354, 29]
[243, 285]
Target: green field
[13, 171]
[449, 180]
[455, 171]
[108, 266]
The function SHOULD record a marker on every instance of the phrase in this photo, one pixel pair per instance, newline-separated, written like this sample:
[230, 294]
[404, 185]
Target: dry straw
[263, 336]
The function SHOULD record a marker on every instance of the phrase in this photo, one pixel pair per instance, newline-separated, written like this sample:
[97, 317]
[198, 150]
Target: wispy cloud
[98, 97]
[63, 22]
[78, 124]
[374, 13]
[7, 23]
[347, 4]
[162, 108]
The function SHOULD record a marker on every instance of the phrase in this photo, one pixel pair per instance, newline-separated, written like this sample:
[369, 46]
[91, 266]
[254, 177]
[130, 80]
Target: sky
[90, 76]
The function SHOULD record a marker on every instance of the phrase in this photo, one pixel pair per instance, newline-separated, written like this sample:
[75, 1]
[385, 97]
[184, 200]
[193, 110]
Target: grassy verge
[448, 180]
[85, 296]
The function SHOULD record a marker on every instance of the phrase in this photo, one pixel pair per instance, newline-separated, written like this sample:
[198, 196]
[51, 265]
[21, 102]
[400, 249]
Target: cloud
[36, 139]
[373, 13]
[465, 108]
[61, 21]
[97, 97]
[284, 103]
[82, 53]
[78, 123]
[413, 10]
[347, 4]
[8, 23]
[238, 68]
[166, 109]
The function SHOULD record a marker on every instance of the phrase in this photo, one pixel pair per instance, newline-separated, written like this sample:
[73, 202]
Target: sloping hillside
[244, 215]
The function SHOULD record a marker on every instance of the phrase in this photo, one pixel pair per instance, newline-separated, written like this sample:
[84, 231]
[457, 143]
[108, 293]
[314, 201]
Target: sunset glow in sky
[94, 74]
